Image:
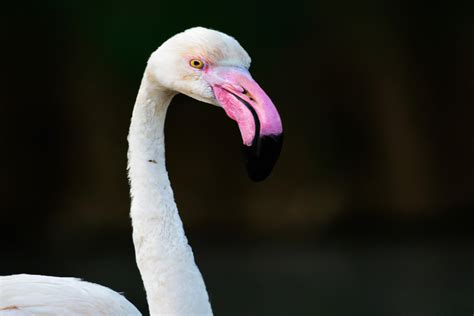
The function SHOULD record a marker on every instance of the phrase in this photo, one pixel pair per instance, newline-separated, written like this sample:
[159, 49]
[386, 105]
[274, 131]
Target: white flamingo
[209, 66]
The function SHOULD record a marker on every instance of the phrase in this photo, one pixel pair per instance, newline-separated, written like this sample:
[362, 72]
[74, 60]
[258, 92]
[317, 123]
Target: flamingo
[206, 65]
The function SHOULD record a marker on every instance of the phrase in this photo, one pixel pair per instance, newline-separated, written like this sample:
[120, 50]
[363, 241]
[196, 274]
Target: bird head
[212, 67]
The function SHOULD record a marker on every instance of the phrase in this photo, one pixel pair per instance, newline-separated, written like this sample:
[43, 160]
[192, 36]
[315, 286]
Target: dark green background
[369, 210]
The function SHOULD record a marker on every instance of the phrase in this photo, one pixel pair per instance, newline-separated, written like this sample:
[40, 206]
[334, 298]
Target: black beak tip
[262, 155]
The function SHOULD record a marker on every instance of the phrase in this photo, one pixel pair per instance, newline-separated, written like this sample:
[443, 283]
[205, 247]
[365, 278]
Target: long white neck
[173, 283]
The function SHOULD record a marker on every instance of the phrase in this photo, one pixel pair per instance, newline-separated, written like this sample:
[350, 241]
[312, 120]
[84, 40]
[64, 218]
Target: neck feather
[173, 283]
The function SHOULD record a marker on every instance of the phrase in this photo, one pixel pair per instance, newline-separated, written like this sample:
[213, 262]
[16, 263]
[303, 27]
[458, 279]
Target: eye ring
[196, 63]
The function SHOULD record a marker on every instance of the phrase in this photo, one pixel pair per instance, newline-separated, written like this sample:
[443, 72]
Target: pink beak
[259, 122]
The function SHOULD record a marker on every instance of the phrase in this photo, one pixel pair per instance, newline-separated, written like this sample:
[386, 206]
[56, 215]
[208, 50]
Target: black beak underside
[262, 156]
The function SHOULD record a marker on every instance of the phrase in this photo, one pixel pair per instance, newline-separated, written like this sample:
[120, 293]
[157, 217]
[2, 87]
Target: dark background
[369, 210]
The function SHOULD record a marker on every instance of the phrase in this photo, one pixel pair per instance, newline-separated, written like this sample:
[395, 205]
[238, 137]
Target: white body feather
[28, 295]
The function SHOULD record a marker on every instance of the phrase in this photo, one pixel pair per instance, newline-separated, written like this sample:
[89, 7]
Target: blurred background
[369, 210]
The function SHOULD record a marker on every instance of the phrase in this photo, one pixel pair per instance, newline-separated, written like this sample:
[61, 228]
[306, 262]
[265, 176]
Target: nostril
[248, 94]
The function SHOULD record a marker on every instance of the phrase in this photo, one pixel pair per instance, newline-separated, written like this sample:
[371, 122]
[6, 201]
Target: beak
[259, 122]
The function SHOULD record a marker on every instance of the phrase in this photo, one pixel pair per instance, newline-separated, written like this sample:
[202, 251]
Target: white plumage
[27, 295]
[173, 283]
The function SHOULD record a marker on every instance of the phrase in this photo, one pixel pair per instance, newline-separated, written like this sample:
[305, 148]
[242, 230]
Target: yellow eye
[196, 63]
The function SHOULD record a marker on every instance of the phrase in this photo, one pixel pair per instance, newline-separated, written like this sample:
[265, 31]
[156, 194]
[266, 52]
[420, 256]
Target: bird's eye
[196, 63]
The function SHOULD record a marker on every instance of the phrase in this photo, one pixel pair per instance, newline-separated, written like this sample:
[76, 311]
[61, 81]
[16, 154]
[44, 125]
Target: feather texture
[25, 294]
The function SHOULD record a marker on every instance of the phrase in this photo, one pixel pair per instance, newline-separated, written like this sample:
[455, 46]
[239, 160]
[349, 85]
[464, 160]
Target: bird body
[209, 66]
[49, 295]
